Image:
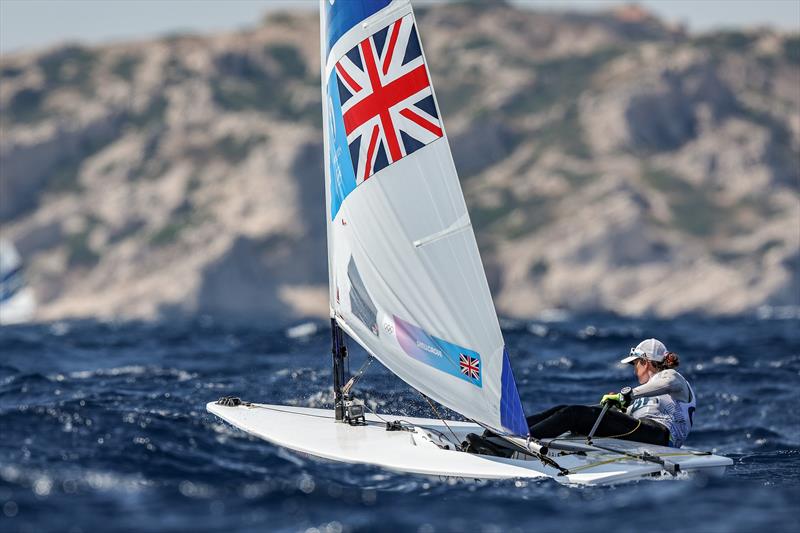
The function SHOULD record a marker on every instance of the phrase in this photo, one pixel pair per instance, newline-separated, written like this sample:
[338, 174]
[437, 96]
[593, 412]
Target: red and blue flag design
[386, 98]
[470, 366]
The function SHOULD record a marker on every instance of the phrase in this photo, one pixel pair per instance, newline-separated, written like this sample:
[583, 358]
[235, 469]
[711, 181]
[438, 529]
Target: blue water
[103, 428]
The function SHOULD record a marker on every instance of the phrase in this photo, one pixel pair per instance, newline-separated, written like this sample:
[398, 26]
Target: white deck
[315, 432]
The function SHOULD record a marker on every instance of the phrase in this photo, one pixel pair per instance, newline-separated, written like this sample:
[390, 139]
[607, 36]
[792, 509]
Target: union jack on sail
[470, 366]
[386, 97]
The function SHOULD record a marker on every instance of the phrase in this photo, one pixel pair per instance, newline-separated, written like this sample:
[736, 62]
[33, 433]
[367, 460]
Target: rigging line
[398, 420]
[376, 414]
[644, 457]
[625, 434]
[262, 406]
[457, 440]
[618, 459]
[344, 343]
[402, 421]
[543, 458]
[353, 380]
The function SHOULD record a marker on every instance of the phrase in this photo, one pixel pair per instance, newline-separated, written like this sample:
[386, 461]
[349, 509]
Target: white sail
[406, 278]
[17, 303]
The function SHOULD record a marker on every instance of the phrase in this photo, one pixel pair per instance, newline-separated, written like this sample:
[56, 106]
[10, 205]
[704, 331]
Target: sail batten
[461, 224]
[406, 279]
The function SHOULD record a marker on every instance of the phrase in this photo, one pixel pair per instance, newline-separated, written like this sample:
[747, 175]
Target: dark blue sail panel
[511, 414]
[341, 15]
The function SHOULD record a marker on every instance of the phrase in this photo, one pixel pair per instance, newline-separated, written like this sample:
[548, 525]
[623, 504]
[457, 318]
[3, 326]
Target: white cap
[650, 349]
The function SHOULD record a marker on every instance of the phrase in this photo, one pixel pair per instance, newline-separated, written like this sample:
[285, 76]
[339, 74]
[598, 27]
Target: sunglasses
[638, 352]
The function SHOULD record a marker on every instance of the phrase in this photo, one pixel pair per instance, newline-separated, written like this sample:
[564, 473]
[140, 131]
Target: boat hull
[416, 449]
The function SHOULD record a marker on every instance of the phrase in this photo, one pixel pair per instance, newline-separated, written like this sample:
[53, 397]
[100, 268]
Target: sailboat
[407, 284]
[17, 302]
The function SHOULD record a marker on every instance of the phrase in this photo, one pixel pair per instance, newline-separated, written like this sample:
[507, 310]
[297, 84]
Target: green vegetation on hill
[728, 41]
[291, 62]
[694, 210]
[125, 66]
[565, 133]
[183, 219]
[152, 115]
[26, 105]
[79, 253]
[71, 65]
[235, 149]
[559, 81]
[791, 49]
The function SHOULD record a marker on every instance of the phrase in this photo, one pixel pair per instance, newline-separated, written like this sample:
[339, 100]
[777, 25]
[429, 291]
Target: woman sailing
[658, 411]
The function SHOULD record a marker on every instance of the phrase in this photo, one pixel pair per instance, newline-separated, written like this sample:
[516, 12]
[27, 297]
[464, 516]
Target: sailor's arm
[664, 382]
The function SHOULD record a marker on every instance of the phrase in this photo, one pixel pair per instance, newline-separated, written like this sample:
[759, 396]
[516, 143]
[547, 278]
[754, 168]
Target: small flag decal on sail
[470, 366]
[458, 361]
[386, 98]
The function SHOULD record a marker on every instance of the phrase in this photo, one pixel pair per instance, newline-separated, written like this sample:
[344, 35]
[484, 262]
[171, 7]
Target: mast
[346, 408]
[339, 352]
[338, 346]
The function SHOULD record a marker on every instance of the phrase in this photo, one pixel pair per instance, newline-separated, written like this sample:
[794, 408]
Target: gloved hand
[621, 400]
[613, 399]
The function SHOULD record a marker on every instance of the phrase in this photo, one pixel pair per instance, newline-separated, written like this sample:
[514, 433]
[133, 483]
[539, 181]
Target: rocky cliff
[609, 161]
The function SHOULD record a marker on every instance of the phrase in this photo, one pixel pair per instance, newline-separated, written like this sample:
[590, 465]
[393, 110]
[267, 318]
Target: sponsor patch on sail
[440, 354]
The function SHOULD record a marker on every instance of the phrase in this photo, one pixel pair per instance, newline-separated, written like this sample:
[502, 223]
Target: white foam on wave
[730, 360]
[539, 330]
[554, 315]
[129, 370]
[43, 483]
[302, 331]
[778, 312]
[319, 399]
[561, 362]
[59, 329]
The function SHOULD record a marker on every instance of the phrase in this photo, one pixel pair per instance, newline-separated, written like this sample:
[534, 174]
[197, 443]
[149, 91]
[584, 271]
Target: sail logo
[386, 99]
[459, 362]
[430, 349]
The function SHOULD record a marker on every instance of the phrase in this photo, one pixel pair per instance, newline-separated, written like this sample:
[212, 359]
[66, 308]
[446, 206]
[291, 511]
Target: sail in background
[406, 278]
[17, 302]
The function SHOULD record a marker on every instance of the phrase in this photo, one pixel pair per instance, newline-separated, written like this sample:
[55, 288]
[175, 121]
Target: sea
[103, 428]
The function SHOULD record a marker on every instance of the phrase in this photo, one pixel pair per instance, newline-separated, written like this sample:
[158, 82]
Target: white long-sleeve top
[667, 398]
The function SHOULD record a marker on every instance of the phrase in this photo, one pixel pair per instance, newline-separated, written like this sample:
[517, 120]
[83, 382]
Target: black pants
[580, 419]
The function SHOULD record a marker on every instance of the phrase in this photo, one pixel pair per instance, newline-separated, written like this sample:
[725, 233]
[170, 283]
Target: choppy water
[103, 428]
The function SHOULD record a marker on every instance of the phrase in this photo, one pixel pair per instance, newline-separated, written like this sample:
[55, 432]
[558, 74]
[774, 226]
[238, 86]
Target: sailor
[659, 411]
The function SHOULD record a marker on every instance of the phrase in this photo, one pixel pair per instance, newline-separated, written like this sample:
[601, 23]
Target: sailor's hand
[612, 399]
[621, 400]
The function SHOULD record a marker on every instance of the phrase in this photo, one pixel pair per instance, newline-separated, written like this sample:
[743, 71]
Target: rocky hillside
[610, 162]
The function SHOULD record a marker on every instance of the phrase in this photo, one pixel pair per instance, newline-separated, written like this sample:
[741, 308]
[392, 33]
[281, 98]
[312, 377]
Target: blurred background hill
[610, 161]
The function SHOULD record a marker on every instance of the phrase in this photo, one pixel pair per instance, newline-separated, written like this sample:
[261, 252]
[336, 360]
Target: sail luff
[323, 40]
